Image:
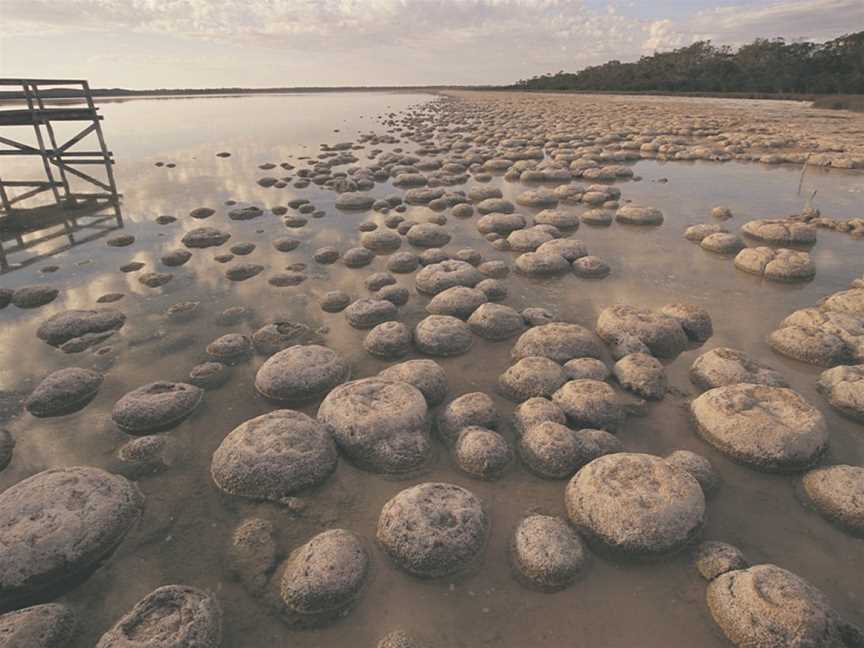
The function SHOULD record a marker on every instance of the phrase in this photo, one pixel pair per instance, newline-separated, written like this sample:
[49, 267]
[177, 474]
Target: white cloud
[413, 41]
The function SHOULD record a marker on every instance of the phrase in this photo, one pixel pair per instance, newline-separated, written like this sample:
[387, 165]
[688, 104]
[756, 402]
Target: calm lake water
[188, 523]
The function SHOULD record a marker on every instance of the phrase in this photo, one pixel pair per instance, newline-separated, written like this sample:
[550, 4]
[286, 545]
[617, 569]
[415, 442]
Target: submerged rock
[42, 626]
[172, 615]
[57, 525]
[662, 334]
[557, 341]
[156, 406]
[482, 453]
[63, 392]
[273, 456]
[71, 324]
[442, 335]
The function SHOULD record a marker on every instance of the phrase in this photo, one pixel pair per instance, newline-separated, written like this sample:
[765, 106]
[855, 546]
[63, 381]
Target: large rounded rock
[273, 456]
[433, 529]
[635, 504]
[778, 230]
[63, 392]
[590, 404]
[379, 424]
[169, 617]
[502, 224]
[531, 377]
[580, 368]
[482, 453]
[426, 375]
[570, 249]
[72, 324]
[381, 241]
[472, 409]
[547, 553]
[438, 277]
[663, 335]
[843, 386]
[528, 239]
[354, 201]
[42, 626]
[768, 607]
[641, 374]
[768, 428]
[542, 264]
[442, 335]
[57, 525]
[722, 243]
[825, 345]
[156, 406]
[535, 411]
[496, 322]
[557, 341]
[326, 575]
[837, 492]
[301, 373]
[458, 301]
[725, 366]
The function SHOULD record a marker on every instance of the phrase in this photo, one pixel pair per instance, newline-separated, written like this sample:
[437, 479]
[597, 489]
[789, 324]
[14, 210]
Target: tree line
[770, 66]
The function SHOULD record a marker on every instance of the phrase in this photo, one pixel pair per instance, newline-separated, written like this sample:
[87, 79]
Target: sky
[265, 43]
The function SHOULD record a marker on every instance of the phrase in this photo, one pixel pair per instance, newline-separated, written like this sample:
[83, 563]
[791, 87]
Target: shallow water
[188, 523]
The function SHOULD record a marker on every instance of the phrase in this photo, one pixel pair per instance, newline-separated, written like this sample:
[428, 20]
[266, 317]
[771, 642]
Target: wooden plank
[85, 176]
[84, 133]
[19, 146]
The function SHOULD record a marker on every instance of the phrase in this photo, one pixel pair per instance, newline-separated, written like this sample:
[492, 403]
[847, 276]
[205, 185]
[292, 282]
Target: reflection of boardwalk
[46, 231]
[64, 126]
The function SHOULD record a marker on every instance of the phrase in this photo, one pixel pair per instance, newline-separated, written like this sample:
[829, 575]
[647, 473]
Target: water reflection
[188, 522]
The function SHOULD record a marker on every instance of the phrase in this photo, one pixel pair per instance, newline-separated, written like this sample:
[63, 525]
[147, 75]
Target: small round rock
[547, 553]
[156, 406]
[482, 453]
[442, 335]
[300, 373]
[388, 340]
[426, 375]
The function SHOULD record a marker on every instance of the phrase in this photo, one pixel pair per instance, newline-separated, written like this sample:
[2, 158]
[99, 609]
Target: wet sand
[187, 524]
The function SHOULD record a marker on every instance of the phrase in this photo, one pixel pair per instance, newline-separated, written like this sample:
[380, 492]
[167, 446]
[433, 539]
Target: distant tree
[764, 66]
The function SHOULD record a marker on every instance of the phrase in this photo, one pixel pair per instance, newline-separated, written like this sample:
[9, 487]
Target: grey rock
[325, 576]
[591, 368]
[34, 296]
[204, 237]
[438, 277]
[535, 411]
[442, 335]
[768, 428]
[301, 373]
[557, 341]
[209, 375]
[156, 406]
[531, 377]
[725, 366]
[426, 375]
[547, 553]
[388, 340]
[716, 558]
[380, 425]
[663, 335]
[169, 617]
[472, 409]
[433, 529]
[590, 404]
[635, 504]
[63, 392]
[641, 374]
[496, 322]
[57, 525]
[699, 467]
[367, 313]
[482, 453]
[695, 320]
[843, 386]
[837, 492]
[42, 626]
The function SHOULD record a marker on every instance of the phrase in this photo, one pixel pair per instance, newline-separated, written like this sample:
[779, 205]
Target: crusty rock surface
[768, 428]
[547, 553]
[433, 529]
[635, 504]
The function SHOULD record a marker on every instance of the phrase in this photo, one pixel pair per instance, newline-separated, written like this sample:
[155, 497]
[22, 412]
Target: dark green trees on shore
[763, 66]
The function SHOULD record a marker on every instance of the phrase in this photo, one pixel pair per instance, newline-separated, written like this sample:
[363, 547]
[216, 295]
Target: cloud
[412, 41]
